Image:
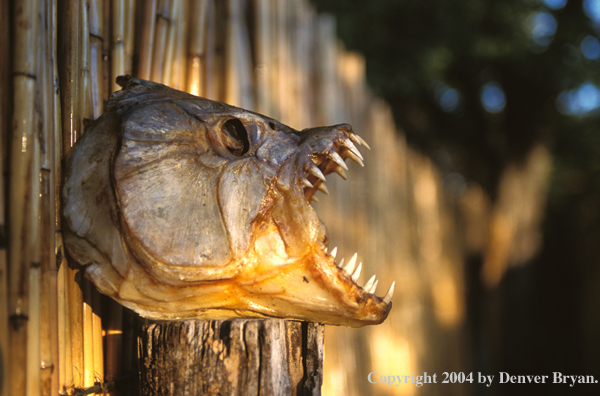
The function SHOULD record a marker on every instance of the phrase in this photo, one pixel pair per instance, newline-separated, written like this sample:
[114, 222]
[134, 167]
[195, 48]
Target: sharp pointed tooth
[323, 188]
[335, 157]
[388, 296]
[325, 250]
[351, 264]
[361, 141]
[369, 283]
[306, 183]
[373, 288]
[354, 158]
[354, 138]
[340, 172]
[313, 199]
[315, 171]
[333, 252]
[341, 264]
[356, 272]
[352, 148]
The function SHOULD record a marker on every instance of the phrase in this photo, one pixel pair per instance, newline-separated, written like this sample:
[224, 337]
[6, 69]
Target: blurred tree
[473, 83]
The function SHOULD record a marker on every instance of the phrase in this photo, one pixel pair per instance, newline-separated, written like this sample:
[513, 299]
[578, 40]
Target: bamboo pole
[113, 334]
[75, 303]
[69, 54]
[163, 20]
[238, 83]
[170, 44]
[220, 39]
[119, 62]
[87, 110]
[65, 355]
[147, 39]
[179, 61]
[56, 148]
[5, 111]
[96, 20]
[48, 323]
[210, 84]
[196, 48]
[262, 53]
[129, 37]
[88, 334]
[97, 336]
[20, 203]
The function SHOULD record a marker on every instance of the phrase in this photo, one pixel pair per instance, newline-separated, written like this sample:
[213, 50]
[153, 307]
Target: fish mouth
[302, 270]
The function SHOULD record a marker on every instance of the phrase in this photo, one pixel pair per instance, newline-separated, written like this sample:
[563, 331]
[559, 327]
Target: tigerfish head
[182, 207]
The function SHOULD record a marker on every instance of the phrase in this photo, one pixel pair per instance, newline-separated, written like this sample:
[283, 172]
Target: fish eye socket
[236, 141]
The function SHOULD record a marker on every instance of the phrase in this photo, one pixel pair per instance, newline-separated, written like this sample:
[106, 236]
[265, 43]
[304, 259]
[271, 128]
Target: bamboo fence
[279, 58]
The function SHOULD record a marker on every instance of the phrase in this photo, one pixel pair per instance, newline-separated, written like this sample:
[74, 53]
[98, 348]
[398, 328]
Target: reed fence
[59, 61]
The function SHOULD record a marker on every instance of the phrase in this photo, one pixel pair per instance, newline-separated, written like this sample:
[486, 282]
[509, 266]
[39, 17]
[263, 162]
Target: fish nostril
[272, 126]
[239, 144]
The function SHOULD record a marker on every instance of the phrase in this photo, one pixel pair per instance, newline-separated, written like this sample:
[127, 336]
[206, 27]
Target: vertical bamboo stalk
[238, 83]
[96, 18]
[129, 37]
[47, 197]
[262, 53]
[20, 203]
[175, 13]
[75, 303]
[113, 334]
[196, 47]
[56, 148]
[118, 42]
[5, 110]
[209, 53]
[97, 336]
[147, 39]
[220, 36]
[69, 71]
[65, 356]
[87, 111]
[178, 73]
[48, 344]
[163, 20]
[88, 334]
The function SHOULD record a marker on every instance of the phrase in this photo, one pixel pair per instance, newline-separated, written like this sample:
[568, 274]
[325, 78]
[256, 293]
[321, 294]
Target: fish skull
[181, 207]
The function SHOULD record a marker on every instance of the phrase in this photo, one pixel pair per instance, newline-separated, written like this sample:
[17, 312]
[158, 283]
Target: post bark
[232, 357]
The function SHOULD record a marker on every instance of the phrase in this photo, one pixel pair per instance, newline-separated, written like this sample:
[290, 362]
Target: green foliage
[414, 46]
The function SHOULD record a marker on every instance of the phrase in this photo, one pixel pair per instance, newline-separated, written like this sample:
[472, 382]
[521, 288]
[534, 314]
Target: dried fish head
[182, 207]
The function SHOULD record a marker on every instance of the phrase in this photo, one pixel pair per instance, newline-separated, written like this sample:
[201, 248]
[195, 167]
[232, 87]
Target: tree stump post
[231, 357]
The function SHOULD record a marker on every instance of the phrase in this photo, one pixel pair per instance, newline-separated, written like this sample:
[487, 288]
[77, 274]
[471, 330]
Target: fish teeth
[354, 158]
[358, 140]
[315, 171]
[321, 187]
[333, 252]
[372, 289]
[388, 296]
[352, 148]
[341, 263]
[335, 157]
[313, 199]
[351, 264]
[369, 284]
[306, 183]
[356, 272]
[340, 171]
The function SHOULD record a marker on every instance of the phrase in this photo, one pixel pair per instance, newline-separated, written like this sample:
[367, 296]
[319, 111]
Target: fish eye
[236, 139]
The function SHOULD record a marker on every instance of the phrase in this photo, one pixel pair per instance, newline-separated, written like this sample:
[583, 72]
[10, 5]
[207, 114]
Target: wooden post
[231, 357]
